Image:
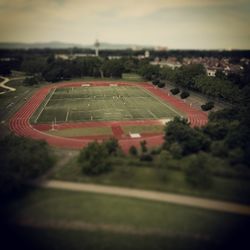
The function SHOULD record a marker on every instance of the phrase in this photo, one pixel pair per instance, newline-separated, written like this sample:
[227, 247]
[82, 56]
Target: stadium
[72, 114]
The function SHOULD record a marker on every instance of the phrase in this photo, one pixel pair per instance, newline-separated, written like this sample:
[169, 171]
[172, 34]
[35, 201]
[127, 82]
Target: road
[216, 205]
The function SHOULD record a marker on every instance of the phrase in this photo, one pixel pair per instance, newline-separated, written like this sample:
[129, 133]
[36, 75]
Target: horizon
[142, 46]
[189, 24]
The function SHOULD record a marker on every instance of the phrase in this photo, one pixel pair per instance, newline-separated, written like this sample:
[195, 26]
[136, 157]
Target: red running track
[20, 125]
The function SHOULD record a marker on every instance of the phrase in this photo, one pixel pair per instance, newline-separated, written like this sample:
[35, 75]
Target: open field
[45, 216]
[131, 77]
[109, 103]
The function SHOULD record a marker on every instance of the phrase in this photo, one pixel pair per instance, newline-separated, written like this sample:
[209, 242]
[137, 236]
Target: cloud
[135, 21]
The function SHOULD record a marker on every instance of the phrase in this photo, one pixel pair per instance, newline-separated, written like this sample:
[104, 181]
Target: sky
[177, 24]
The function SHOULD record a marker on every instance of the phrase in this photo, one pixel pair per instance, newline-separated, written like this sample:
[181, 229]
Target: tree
[149, 72]
[22, 159]
[190, 140]
[94, 159]
[113, 68]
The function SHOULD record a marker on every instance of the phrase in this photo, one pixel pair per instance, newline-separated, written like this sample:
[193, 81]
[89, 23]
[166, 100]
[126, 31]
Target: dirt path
[149, 195]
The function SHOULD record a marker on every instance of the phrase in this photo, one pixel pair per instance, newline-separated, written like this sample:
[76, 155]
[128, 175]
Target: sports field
[101, 103]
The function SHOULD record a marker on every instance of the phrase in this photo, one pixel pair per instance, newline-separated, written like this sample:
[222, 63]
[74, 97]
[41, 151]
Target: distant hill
[61, 45]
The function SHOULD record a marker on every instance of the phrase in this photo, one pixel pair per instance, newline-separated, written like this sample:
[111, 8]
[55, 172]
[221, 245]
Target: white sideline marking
[67, 116]
[45, 105]
[151, 113]
[85, 85]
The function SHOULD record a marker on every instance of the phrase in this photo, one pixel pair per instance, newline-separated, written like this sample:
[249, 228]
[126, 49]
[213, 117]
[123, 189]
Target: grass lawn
[131, 77]
[71, 104]
[143, 129]
[73, 132]
[134, 220]
[128, 174]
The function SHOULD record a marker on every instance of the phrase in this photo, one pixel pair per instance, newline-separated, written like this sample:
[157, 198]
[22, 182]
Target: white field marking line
[45, 105]
[67, 116]
[147, 91]
[71, 98]
[150, 112]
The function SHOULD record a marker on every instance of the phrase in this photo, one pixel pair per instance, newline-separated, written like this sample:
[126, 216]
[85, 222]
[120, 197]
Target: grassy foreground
[130, 223]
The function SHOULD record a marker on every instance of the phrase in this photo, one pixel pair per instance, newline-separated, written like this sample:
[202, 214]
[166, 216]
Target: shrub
[146, 157]
[197, 171]
[144, 148]
[176, 150]
[94, 159]
[207, 106]
[133, 151]
[175, 91]
[30, 81]
[163, 158]
[155, 82]
[184, 94]
[161, 84]
[112, 146]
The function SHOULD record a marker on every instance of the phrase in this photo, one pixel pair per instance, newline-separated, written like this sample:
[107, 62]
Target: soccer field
[102, 103]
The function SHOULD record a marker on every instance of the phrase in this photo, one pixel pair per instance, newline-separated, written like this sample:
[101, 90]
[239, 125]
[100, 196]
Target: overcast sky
[197, 24]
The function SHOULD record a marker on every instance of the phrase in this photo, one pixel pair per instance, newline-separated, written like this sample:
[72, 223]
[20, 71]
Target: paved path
[149, 195]
[2, 84]
[5, 80]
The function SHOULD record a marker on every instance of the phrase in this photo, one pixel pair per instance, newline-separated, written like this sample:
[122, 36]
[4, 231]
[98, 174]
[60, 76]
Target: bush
[175, 91]
[112, 146]
[30, 81]
[133, 151]
[207, 106]
[176, 150]
[184, 94]
[163, 158]
[146, 157]
[155, 82]
[94, 159]
[144, 148]
[161, 84]
[197, 171]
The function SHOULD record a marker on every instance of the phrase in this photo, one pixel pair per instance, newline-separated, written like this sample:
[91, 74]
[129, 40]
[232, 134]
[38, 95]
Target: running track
[20, 125]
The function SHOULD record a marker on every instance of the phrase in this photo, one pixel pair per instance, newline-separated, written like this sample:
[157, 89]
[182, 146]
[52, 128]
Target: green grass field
[101, 104]
[128, 223]
[131, 77]
[73, 132]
